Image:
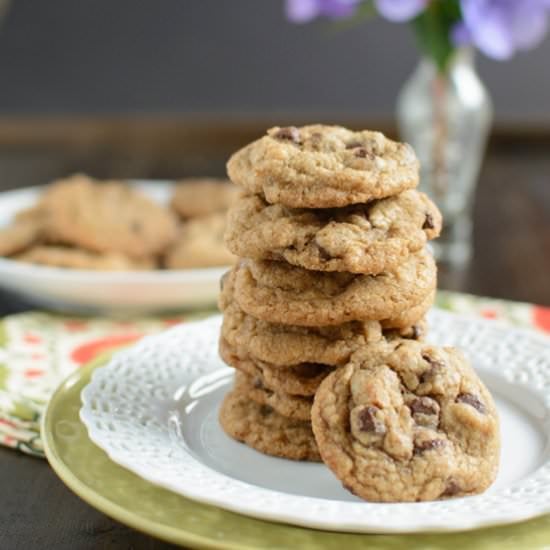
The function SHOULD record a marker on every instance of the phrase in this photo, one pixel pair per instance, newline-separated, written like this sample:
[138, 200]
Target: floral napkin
[38, 350]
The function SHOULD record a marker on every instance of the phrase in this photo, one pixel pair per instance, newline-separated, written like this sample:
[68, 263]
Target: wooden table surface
[512, 260]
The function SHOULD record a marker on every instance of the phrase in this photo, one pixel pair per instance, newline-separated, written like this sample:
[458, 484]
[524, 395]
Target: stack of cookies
[334, 282]
[332, 235]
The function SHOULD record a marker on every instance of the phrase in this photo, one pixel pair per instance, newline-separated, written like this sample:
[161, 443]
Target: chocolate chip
[362, 152]
[265, 410]
[368, 422]
[451, 489]
[309, 370]
[471, 400]
[425, 377]
[429, 445]
[435, 366]
[423, 405]
[290, 133]
[434, 363]
[323, 253]
[428, 222]
[258, 383]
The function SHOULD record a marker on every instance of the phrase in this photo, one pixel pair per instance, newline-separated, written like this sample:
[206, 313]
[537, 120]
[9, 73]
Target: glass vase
[446, 117]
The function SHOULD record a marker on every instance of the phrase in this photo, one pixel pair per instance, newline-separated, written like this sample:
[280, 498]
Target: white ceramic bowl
[102, 291]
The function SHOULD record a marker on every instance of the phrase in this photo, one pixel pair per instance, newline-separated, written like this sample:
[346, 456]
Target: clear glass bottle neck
[462, 58]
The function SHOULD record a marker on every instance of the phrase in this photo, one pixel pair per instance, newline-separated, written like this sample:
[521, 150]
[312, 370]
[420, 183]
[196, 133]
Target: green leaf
[433, 29]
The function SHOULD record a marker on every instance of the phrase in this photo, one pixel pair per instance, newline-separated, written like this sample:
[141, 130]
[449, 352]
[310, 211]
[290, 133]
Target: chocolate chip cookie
[363, 238]
[281, 293]
[283, 345]
[18, 236]
[106, 217]
[289, 406]
[410, 422]
[321, 166]
[263, 429]
[200, 244]
[194, 197]
[75, 258]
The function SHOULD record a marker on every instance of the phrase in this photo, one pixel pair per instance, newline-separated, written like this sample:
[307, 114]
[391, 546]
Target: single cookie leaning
[261, 428]
[411, 422]
[321, 166]
[283, 345]
[363, 238]
[281, 293]
[106, 217]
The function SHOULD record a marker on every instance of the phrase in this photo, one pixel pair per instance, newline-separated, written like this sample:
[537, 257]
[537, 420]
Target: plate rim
[95, 499]
[532, 534]
[466, 525]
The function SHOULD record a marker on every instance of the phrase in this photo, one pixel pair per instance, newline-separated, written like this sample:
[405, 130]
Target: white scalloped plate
[153, 409]
[90, 291]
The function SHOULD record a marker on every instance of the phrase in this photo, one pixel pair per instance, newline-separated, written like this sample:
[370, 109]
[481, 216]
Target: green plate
[127, 498]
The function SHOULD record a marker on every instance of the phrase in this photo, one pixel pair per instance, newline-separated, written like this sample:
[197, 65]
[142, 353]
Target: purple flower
[400, 10]
[302, 11]
[499, 28]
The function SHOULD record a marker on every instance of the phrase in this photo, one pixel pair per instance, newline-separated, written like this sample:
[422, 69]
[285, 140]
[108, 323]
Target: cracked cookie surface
[320, 166]
[364, 238]
[281, 293]
[409, 422]
[262, 428]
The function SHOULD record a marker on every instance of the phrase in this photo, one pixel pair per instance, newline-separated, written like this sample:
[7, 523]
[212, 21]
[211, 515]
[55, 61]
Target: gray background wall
[216, 57]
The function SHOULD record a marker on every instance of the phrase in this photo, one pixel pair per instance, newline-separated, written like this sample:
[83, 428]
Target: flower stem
[433, 29]
[440, 174]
